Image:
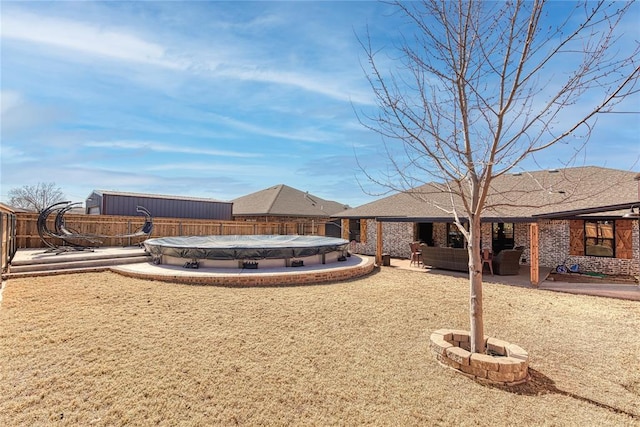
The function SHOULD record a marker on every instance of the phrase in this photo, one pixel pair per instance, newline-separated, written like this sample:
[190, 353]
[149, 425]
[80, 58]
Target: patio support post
[533, 249]
[378, 242]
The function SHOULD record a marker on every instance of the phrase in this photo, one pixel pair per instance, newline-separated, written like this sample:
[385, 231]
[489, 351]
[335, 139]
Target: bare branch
[35, 197]
[482, 86]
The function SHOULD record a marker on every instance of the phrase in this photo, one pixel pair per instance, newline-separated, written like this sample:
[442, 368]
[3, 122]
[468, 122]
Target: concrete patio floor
[610, 290]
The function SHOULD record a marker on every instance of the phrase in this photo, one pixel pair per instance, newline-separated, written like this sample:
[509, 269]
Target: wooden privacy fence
[111, 225]
[7, 237]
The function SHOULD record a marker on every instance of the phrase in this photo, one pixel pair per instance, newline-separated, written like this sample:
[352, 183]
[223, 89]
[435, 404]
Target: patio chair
[416, 254]
[507, 262]
[487, 258]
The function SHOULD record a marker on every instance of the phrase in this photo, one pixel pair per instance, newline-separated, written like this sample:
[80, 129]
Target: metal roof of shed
[155, 196]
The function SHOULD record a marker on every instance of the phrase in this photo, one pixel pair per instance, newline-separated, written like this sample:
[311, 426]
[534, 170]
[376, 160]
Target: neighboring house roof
[282, 200]
[7, 208]
[517, 197]
[154, 196]
[16, 209]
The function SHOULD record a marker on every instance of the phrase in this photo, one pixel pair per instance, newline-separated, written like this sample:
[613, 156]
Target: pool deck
[41, 255]
[354, 266]
[134, 262]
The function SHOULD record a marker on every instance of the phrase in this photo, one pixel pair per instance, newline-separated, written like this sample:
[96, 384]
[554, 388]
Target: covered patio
[565, 217]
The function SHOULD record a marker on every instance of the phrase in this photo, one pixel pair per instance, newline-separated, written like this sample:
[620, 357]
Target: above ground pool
[238, 248]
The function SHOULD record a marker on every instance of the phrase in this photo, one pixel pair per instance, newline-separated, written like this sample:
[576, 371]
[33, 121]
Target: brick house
[582, 216]
[282, 203]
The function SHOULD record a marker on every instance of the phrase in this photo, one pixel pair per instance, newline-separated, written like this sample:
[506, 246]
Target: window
[354, 230]
[502, 236]
[332, 229]
[425, 232]
[502, 230]
[455, 239]
[599, 238]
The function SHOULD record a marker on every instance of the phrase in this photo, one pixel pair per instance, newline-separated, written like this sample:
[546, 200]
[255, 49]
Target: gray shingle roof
[282, 200]
[514, 196]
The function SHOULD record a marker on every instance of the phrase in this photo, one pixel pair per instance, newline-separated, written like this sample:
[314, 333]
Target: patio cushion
[507, 262]
[445, 258]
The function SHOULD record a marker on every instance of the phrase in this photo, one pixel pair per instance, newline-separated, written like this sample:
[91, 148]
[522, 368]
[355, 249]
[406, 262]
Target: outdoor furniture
[416, 254]
[507, 262]
[487, 258]
[445, 258]
[77, 241]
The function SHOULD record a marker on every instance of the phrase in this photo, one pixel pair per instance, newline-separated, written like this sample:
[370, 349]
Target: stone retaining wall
[257, 278]
[506, 363]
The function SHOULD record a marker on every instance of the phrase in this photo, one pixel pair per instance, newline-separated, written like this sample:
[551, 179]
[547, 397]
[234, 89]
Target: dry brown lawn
[101, 349]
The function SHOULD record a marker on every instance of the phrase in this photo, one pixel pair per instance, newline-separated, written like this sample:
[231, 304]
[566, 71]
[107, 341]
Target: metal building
[102, 202]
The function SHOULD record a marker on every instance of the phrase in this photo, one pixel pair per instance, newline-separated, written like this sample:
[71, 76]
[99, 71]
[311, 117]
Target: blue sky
[206, 99]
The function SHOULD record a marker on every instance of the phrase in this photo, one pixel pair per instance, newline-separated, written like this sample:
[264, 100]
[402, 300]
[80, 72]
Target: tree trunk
[475, 286]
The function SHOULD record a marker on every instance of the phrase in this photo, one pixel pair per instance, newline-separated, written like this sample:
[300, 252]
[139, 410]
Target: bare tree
[482, 86]
[35, 197]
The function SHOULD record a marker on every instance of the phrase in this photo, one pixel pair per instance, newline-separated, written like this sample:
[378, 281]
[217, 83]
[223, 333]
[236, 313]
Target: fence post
[3, 246]
[533, 254]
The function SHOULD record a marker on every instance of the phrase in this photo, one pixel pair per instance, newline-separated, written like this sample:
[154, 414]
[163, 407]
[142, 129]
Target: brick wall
[521, 238]
[486, 235]
[553, 247]
[554, 250]
[266, 278]
[440, 234]
[397, 236]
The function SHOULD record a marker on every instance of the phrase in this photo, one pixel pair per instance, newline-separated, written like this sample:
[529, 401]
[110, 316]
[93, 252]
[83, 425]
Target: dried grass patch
[102, 349]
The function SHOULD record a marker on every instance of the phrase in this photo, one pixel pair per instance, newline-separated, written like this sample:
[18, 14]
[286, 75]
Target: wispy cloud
[14, 155]
[19, 114]
[166, 148]
[9, 100]
[121, 44]
[88, 39]
[308, 135]
[308, 81]
[254, 170]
